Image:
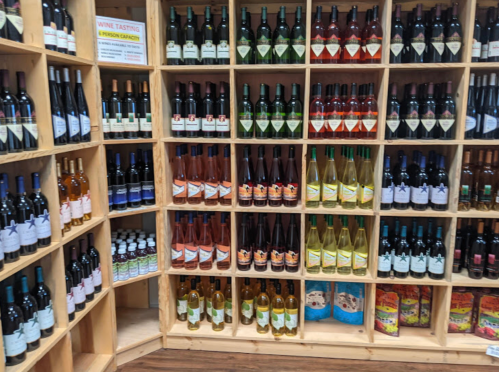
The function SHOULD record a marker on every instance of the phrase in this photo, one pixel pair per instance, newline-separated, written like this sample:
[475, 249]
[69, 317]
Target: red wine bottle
[178, 113]
[275, 181]
[453, 38]
[29, 307]
[192, 112]
[260, 191]
[28, 114]
[60, 23]
[25, 220]
[476, 47]
[440, 187]
[411, 114]
[70, 30]
[292, 252]
[387, 186]
[88, 269]
[420, 187]
[417, 37]
[12, 115]
[44, 301]
[418, 256]
[385, 255]
[208, 126]
[392, 114]
[402, 192]
[76, 270]
[447, 114]
[244, 250]
[436, 46]
[14, 341]
[81, 104]
[209, 39]
[14, 23]
[246, 180]
[277, 246]
[41, 212]
[397, 37]
[428, 111]
[70, 300]
[49, 28]
[95, 257]
[72, 115]
[290, 182]
[402, 256]
[10, 232]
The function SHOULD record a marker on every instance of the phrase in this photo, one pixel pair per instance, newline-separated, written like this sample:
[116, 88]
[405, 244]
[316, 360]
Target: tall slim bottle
[41, 293]
[193, 309]
[85, 191]
[317, 115]
[246, 180]
[351, 115]
[115, 113]
[245, 124]
[290, 183]
[71, 109]
[313, 182]
[209, 39]
[330, 182]
[318, 39]
[446, 114]
[366, 182]
[401, 263]
[41, 213]
[333, 38]
[130, 120]
[281, 39]
[374, 39]
[75, 195]
[25, 220]
[329, 249]
[278, 114]
[298, 34]
[218, 303]
[262, 114]
[361, 250]
[223, 50]
[264, 40]
[28, 115]
[88, 270]
[81, 104]
[313, 248]
[453, 37]
[245, 40]
[345, 249]
[190, 49]
[13, 330]
[211, 180]
[396, 37]
[194, 180]
[417, 37]
[262, 309]
[351, 54]
[349, 183]
[436, 45]
[11, 115]
[277, 246]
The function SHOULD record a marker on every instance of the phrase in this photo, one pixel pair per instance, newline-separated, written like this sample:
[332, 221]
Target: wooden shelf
[408, 338]
[124, 67]
[180, 329]
[13, 48]
[85, 362]
[269, 274]
[88, 307]
[213, 272]
[340, 277]
[248, 332]
[426, 66]
[66, 59]
[129, 141]
[136, 279]
[135, 327]
[413, 281]
[76, 231]
[463, 280]
[332, 331]
[412, 213]
[134, 211]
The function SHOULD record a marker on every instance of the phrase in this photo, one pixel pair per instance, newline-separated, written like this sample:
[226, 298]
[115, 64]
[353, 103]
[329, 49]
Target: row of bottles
[195, 303]
[208, 117]
[24, 220]
[199, 241]
[192, 46]
[18, 127]
[135, 186]
[83, 275]
[12, 26]
[58, 27]
[284, 45]
[485, 46]
[27, 317]
[427, 111]
[479, 186]
[74, 194]
[329, 255]
[274, 308]
[136, 255]
[128, 117]
[341, 115]
[402, 253]
[476, 248]
[482, 109]
[70, 114]
[257, 246]
[353, 44]
[276, 120]
[350, 184]
[427, 37]
[275, 187]
[419, 185]
[197, 178]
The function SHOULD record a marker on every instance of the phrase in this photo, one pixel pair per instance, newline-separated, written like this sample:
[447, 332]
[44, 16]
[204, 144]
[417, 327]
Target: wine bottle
[294, 114]
[262, 114]
[401, 195]
[134, 190]
[334, 110]
[211, 180]
[476, 47]
[208, 125]
[42, 295]
[369, 114]
[28, 115]
[477, 254]
[333, 38]
[318, 39]
[440, 188]
[130, 120]
[349, 183]
[119, 186]
[245, 124]
[75, 195]
[396, 37]
[190, 47]
[3, 28]
[418, 256]
[313, 248]
[281, 39]
[471, 112]
[447, 114]
[428, 111]
[402, 256]
[11, 115]
[95, 259]
[245, 40]
[8, 222]
[178, 113]
[25, 220]
[366, 182]
[260, 251]
[330, 182]
[222, 109]
[464, 203]
[374, 39]
[313, 182]
[223, 50]
[88, 269]
[193, 112]
[298, 34]
[225, 185]
[276, 182]
[70, 30]
[485, 184]
[489, 111]
[71, 109]
[393, 114]
[29, 308]
[436, 45]
[106, 129]
[244, 248]
[385, 255]
[14, 23]
[278, 114]
[174, 36]
[70, 301]
[352, 114]
[417, 37]
[177, 245]
[345, 249]
[62, 30]
[411, 114]
[436, 267]
[246, 180]
[420, 188]
[352, 39]
[49, 27]
[264, 40]
[277, 246]
[453, 37]
[194, 179]
[115, 113]
[75, 269]
[316, 128]
[260, 191]
[14, 338]
[41, 213]
[363, 37]
[209, 39]
[387, 191]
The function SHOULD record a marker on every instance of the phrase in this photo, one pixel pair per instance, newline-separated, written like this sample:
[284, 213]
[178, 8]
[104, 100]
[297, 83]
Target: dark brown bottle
[260, 194]
[278, 246]
[246, 180]
[290, 181]
[275, 181]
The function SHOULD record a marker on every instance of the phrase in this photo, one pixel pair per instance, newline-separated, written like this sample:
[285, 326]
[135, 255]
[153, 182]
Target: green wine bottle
[278, 114]
[245, 41]
[298, 33]
[262, 114]
[264, 41]
[245, 115]
[294, 114]
[281, 39]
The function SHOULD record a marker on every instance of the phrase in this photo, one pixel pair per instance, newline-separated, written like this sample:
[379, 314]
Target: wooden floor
[186, 361]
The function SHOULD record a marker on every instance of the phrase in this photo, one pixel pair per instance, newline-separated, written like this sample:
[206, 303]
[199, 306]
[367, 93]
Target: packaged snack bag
[317, 300]
[461, 311]
[488, 317]
[409, 304]
[349, 303]
[426, 298]
[387, 311]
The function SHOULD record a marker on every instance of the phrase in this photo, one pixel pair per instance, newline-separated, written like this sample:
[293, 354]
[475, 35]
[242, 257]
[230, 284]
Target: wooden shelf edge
[136, 279]
[129, 141]
[124, 66]
[138, 351]
[76, 231]
[67, 59]
[12, 47]
[139, 343]
[213, 272]
[134, 211]
[88, 307]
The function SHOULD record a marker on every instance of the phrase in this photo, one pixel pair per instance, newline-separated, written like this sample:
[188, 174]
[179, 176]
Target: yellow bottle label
[313, 193]
[329, 192]
[366, 194]
[349, 194]
[314, 258]
[344, 258]
[329, 259]
[359, 260]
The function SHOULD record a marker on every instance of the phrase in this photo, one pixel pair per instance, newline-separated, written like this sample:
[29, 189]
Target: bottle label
[85, 124]
[387, 194]
[418, 263]
[192, 123]
[260, 192]
[328, 258]
[228, 307]
[291, 316]
[348, 194]
[436, 264]
[134, 192]
[396, 45]
[208, 49]
[438, 43]
[313, 192]
[10, 238]
[32, 328]
[317, 45]
[191, 252]
[418, 43]
[366, 194]
[485, 194]
[74, 125]
[97, 275]
[454, 43]
[49, 34]
[3, 134]
[191, 50]
[352, 45]
[193, 189]
[329, 192]
[123, 271]
[489, 123]
[385, 262]
[66, 211]
[334, 120]
[446, 121]
[223, 253]
[15, 344]
[439, 194]
[290, 192]
[181, 307]
[17, 130]
[222, 124]
[278, 319]
[217, 316]
[210, 190]
[429, 123]
[27, 232]
[373, 44]
[243, 257]
[260, 257]
[62, 39]
[402, 193]
[493, 49]
[79, 292]
[464, 194]
[178, 253]
[206, 253]
[106, 128]
[476, 48]
[247, 308]
[145, 124]
[344, 258]
[317, 124]
[208, 123]
[173, 51]
[351, 121]
[281, 46]
[225, 189]
[263, 45]
[277, 258]
[193, 315]
[359, 261]
[70, 302]
[293, 124]
[76, 208]
[485, 51]
[119, 194]
[291, 258]
[133, 268]
[178, 123]
[262, 122]
[223, 50]
[245, 192]
[147, 190]
[262, 316]
[243, 47]
[275, 191]
[42, 225]
[298, 46]
[333, 45]
[393, 124]
[277, 124]
[247, 124]
[131, 123]
[412, 123]
[470, 123]
[420, 195]
[115, 272]
[401, 263]
[89, 282]
[314, 258]
[117, 125]
[87, 203]
[59, 125]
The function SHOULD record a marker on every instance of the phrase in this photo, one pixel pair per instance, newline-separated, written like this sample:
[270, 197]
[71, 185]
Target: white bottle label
[352, 49]
[277, 320]
[299, 49]
[385, 262]
[277, 124]
[393, 124]
[208, 123]
[87, 203]
[396, 48]
[10, 238]
[192, 123]
[243, 50]
[439, 46]
[15, 344]
[489, 123]
[217, 316]
[429, 123]
[317, 124]
[291, 321]
[66, 212]
[419, 47]
[222, 124]
[223, 50]
[74, 125]
[401, 263]
[79, 293]
[262, 317]
[350, 124]
[133, 268]
[436, 264]
[71, 43]
[145, 125]
[446, 124]
[493, 50]
[485, 51]
[173, 50]
[476, 48]
[42, 224]
[317, 49]
[178, 123]
[32, 128]
[85, 124]
[89, 285]
[191, 50]
[470, 123]
[419, 195]
[27, 232]
[247, 309]
[76, 208]
[412, 123]
[3, 133]
[247, 124]
[49, 35]
[46, 316]
[181, 307]
[32, 328]
[193, 315]
[208, 50]
[440, 194]
[116, 124]
[418, 263]
[153, 262]
[387, 194]
[131, 123]
[106, 128]
[70, 301]
[62, 39]
[262, 124]
[402, 193]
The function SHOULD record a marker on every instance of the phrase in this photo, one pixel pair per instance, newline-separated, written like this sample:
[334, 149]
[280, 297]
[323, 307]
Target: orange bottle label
[260, 257]
[277, 258]
[275, 192]
[223, 253]
[291, 192]
[291, 258]
[245, 192]
[179, 189]
[225, 189]
[243, 257]
[210, 190]
[260, 192]
[194, 189]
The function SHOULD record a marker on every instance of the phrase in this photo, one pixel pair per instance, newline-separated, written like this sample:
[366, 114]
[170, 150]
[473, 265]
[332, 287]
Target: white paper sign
[121, 41]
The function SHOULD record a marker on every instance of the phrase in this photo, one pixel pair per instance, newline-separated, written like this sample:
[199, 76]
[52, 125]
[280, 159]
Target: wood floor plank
[199, 361]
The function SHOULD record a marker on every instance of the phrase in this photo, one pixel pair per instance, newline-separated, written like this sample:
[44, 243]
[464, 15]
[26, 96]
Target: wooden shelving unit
[121, 324]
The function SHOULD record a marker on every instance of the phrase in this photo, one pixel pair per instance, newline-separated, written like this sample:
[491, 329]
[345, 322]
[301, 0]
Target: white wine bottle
[313, 182]
[314, 248]
[360, 250]
[349, 183]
